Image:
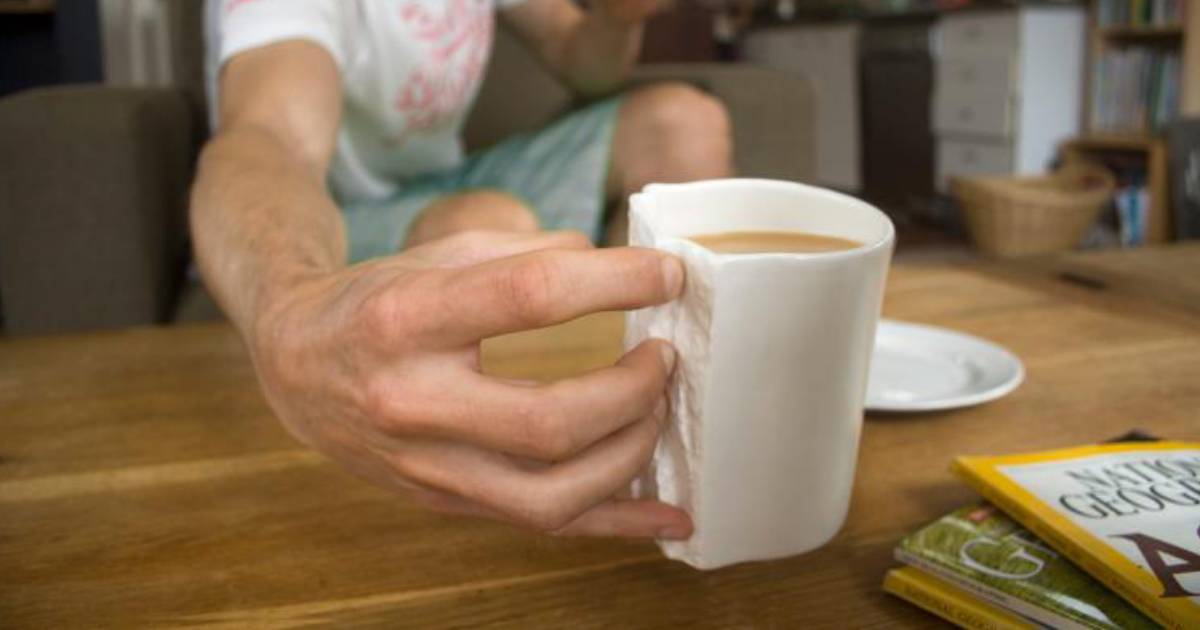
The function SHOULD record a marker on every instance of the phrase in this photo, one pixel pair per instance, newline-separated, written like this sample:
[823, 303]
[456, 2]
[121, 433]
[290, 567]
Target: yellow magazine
[1129, 514]
[950, 602]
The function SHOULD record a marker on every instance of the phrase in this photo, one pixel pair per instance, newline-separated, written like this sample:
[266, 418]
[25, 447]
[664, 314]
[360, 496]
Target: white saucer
[925, 368]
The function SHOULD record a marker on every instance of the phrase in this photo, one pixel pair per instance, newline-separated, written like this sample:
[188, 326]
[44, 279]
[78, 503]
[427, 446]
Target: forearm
[261, 221]
[600, 53]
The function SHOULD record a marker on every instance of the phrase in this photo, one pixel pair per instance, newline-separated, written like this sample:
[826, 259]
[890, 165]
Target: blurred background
[984, 128]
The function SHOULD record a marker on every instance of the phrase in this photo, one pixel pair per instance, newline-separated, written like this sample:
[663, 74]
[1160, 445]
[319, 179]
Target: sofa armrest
[771, 111]
[93, 189]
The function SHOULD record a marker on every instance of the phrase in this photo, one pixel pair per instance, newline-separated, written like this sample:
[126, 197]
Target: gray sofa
[94, 180]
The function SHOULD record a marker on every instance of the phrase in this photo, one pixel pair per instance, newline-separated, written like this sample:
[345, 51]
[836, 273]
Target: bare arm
[593, 52]
[376, 365]
[261, 215]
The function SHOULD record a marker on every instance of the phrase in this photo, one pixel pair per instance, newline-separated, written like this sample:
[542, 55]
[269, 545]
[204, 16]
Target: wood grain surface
[143, 481]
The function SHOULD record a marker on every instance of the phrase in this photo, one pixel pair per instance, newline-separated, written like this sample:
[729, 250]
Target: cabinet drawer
[992, 73]
[957, 157]
[972, 112]
[979, 32]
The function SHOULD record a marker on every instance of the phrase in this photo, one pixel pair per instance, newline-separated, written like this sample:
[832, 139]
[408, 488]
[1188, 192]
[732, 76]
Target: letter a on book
[1156, 551]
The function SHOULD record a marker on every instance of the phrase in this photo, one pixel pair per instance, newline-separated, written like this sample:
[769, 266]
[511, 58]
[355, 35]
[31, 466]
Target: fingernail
[672, 270]
[674, 533]
[667, 352]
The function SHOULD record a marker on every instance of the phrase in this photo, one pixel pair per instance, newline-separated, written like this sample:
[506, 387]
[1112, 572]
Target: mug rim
[886, 240]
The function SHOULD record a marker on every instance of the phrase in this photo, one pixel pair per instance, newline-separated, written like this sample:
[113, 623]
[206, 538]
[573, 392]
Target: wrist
[277, 294]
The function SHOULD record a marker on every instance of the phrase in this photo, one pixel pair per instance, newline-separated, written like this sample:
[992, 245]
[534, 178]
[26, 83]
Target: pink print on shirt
[458, 41]
[233, 5]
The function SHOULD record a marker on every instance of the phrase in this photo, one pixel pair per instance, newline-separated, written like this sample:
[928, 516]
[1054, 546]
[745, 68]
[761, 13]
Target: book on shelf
[1133, 210]
[1135, 90]
[1128, 514]
[1127, 218]
[986, 555]
[1139, 13]
[950, 602]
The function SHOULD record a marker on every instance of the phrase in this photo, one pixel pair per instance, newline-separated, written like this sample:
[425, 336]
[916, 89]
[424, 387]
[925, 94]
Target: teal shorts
[559, 171]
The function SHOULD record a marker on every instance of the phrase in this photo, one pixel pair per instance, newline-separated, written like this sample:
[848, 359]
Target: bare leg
[669, 132]
[476, 210]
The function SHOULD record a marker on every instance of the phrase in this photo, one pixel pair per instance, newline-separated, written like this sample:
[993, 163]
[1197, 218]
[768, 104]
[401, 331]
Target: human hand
[377, 366]
[630, 11]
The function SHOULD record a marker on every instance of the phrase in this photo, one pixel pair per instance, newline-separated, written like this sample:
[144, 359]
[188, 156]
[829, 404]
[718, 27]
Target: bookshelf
[1136, 139]
[1111, 33]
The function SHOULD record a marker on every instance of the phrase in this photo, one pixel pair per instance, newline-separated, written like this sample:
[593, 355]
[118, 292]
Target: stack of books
[1135, 90]
[1132, 202]
[1139, 13]
[1095, 537]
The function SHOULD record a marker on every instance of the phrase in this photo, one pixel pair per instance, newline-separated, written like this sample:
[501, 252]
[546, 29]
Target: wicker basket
[1018, 216]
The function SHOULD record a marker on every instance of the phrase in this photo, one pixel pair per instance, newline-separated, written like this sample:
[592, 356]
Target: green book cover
[980, 549]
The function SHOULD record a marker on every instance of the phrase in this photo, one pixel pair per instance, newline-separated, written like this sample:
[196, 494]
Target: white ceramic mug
[774, 350]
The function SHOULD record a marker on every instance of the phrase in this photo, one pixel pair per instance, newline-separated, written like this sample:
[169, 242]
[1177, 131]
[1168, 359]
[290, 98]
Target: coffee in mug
[766, 242]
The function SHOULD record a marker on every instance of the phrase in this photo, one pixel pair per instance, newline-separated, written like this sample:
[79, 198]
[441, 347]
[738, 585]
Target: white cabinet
[976, 113]
[973, 156]
[827, 56]
[975, 32]
[1008, 89]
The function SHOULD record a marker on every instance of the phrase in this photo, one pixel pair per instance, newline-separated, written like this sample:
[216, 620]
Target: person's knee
[475, 210]
[681, 111]
[691, 128]
[495, 210]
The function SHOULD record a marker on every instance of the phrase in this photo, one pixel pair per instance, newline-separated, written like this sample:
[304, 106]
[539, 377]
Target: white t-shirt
[410, 72]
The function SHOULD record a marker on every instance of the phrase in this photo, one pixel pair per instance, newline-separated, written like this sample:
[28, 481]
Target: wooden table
[143, 481]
